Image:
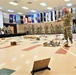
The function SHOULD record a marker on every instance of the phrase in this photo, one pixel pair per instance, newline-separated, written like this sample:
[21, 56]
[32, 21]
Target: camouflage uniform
[33, 29]
[75, 27]
[29, 30]
[59, 29]
[4, 29]
[46, 29]
[40, 29]
[0, 31]
[9, 31]
[52, 29]
[56, 29]
[67, 18]
[37, 30]
[25, 29]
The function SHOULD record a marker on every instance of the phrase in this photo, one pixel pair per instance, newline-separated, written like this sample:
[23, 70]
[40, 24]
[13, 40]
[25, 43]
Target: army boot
[66, 44]
[71, 40]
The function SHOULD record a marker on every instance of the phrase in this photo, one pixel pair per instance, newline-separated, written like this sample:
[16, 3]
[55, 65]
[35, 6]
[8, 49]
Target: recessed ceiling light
[10, 10]
[33, 11]
[66, 0]
[49, 8]
[69, 4]
[35, 0]
[24, 7]
[20, 13]
[43, 4]
[13, 3]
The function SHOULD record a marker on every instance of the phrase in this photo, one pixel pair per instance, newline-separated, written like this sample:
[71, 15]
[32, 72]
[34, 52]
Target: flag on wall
[29, 19]
[32, 17]
[58, 14]
[21, 20]
[10, 18]
[24, 19]
[51, 15]
[55, 12]
[47, 17]
[71, 10]
[38, 17]
[44, 16]
[35, 18]
[15, 18]
[41, 17]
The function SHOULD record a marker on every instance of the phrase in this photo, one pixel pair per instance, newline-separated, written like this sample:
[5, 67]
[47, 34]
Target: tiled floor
[22, 56]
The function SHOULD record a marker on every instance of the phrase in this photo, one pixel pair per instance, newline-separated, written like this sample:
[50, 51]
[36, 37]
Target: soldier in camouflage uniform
[40, 29]
[60, 29]
[46, 29]
[4, 29]
[75, 27]
[33, 29]
[37, 30]
[0, 31]
[9, 31]
[51, 28]
[56, 29]
[29, 30]
[67, 18]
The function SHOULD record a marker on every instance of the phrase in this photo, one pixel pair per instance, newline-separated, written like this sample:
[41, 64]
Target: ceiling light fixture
[33, 11]
[13, 3]
[20, 13]
[24, 7]
[69, 4]
[35, 0]
[43, 4]
[10, 10]
[66, 0]
[49, 8]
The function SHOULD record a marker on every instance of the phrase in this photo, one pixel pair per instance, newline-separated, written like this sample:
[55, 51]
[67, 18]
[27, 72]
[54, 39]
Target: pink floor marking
[32, 47]
[62, 51]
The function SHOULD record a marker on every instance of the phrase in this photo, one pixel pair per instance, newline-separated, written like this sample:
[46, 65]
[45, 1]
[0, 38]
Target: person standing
[4, 29]
[9, 31]
[75, 27]
[67, 22]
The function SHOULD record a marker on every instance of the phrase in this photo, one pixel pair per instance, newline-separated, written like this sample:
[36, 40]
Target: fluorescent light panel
[13, 3]
[43, 4]
[69, 4]
[10, 10]
[35, 0]
[66, 0]
[24, 7]
[20, 13]
[49, 8]
[33, 11]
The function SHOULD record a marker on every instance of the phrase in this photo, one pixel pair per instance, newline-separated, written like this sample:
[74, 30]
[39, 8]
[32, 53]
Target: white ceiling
[34, 6]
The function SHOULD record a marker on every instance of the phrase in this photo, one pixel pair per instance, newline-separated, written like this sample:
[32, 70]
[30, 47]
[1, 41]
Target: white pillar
[1, 20]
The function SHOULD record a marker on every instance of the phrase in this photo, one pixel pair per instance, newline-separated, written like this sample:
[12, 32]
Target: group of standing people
[5, 30]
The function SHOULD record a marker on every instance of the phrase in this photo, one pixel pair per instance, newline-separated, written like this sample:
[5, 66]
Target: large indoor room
[37, 37]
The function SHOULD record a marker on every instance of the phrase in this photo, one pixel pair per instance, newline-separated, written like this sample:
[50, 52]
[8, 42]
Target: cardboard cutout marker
[40, 65]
